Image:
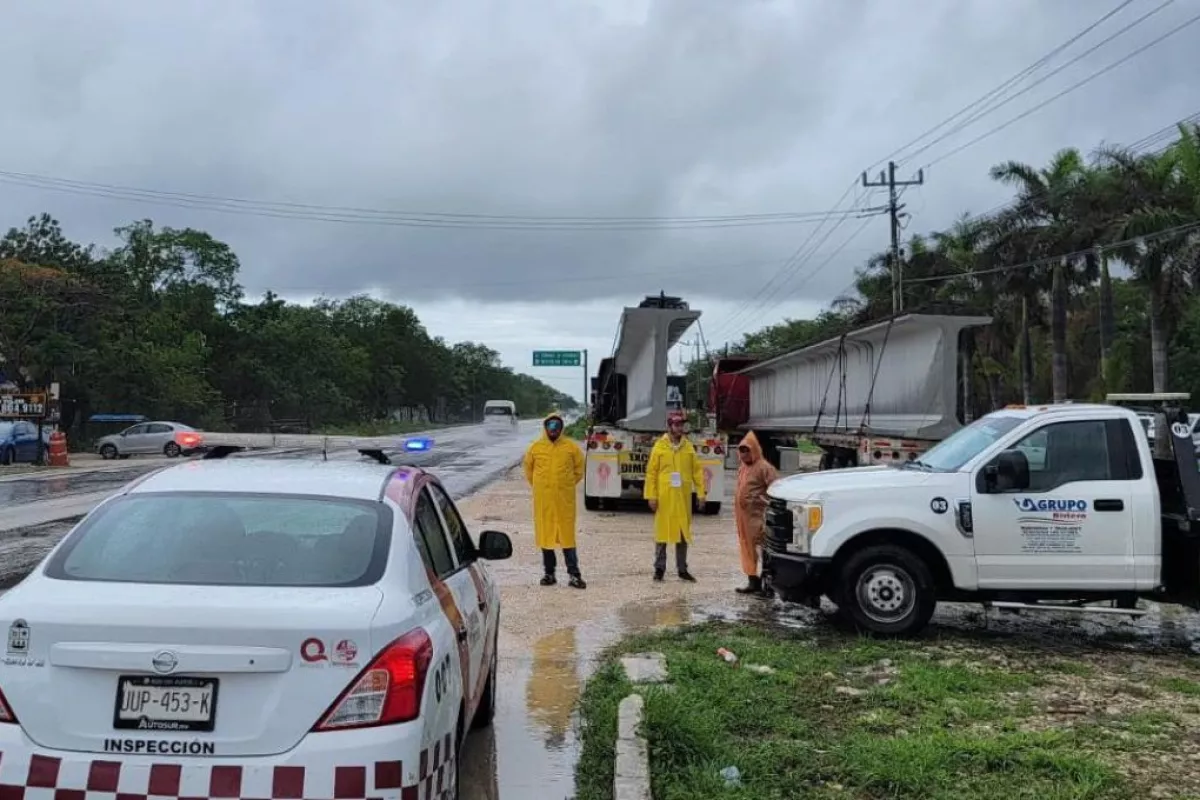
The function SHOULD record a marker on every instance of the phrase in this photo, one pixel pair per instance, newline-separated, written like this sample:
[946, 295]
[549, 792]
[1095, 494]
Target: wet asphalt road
[464, 457]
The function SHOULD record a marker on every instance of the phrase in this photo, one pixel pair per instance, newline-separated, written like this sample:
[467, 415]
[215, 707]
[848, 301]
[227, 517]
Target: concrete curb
[631, 778]
[631, 773]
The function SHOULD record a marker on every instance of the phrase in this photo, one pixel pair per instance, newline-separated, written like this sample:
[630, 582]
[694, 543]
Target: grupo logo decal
[313, 651]
[1030, 504]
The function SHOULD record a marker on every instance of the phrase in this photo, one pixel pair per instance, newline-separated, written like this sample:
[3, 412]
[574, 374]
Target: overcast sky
[592, 109]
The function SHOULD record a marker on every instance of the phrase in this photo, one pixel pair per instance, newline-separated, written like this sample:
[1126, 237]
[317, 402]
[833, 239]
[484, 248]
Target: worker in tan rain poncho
[671, 475]
[553, 466]
[755, 474]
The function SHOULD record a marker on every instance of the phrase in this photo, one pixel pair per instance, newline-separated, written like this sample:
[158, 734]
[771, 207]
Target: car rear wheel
[6, 456]
[171, 450]
[108, 452]
[711, 508]
[487, 704]
[591, 503]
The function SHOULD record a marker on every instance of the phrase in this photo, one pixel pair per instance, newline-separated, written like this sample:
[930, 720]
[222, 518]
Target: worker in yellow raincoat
[553, 466]
[671, 475]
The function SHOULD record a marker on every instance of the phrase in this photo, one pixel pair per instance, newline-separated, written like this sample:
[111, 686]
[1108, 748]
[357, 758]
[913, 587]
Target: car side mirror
[1008, 472]
[495, 546]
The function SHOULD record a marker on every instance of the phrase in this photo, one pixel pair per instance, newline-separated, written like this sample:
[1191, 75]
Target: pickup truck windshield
[961, 446]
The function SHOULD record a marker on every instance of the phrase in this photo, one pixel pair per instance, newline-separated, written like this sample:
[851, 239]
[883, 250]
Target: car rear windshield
[503, 411]
[229, 540]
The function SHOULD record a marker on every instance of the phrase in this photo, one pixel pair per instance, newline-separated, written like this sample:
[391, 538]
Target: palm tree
[1044, 217]
[1161, 197]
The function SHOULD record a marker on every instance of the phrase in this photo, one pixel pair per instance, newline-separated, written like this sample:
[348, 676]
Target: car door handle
[1109, 505]
[462, 634]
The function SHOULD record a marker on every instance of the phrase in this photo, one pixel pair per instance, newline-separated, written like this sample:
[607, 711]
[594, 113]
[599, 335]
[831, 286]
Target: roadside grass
[850, 717]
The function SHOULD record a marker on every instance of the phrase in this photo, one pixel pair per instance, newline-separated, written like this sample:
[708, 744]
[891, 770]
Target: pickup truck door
[1072, 528]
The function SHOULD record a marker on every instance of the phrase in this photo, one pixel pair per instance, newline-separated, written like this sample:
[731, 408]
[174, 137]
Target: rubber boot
[753, 586]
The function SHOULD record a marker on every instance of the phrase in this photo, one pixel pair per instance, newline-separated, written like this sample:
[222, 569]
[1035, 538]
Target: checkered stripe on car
[437, 771]
[38, 777]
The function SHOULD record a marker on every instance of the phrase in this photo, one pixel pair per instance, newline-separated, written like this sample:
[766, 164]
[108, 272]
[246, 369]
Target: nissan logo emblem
[164, 661]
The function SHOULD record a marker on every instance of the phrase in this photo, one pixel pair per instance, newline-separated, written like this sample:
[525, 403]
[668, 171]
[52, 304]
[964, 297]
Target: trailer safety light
[593, 444]
[719, 450]
[617, 445]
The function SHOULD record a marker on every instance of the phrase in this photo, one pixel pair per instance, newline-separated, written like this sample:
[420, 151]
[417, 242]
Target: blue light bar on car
[418, 444]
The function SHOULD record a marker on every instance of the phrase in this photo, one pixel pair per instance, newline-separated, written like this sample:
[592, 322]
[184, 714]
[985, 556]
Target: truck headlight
[806, 521]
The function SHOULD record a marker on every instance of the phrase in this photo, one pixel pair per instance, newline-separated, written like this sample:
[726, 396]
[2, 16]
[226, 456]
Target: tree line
[1091, 273]
[159, 326]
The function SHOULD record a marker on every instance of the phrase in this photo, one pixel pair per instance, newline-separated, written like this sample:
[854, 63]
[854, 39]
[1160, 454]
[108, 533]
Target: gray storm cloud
[543, 108]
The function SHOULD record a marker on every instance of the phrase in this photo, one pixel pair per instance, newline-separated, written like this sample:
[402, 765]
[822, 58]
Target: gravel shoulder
[616, 552]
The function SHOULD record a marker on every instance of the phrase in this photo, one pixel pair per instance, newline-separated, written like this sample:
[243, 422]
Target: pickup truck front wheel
[887, 590]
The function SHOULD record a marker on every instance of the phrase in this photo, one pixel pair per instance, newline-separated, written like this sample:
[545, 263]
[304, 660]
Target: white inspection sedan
[252, 628]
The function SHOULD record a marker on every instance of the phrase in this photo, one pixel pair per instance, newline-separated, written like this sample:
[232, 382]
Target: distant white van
[500, 412]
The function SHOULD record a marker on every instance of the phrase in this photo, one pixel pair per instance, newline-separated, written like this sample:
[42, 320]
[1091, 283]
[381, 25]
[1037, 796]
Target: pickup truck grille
[779, 526]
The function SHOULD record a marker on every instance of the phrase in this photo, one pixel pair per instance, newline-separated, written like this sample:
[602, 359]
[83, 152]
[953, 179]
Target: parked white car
[254, 628]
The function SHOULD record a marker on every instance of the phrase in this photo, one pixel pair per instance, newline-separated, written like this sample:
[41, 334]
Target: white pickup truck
[1028, 508]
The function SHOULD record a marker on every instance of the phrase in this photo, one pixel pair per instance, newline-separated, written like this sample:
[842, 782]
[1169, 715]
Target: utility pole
[888, 179]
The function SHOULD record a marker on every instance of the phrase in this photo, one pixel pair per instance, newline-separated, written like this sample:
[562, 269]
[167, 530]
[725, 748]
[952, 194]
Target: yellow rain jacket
[673, 519]
[553, 469]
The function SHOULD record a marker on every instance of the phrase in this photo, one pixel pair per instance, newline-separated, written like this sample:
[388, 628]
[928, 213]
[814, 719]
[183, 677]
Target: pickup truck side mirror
[495, 546]
[1007, 472]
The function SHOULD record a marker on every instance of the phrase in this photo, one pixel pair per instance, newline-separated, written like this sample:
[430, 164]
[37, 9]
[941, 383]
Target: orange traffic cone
[58, 450]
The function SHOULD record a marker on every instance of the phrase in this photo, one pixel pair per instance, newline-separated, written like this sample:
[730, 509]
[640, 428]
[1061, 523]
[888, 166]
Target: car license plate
[161, 703]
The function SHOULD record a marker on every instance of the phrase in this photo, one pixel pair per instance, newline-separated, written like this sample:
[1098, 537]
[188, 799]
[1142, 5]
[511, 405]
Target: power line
[1068, 90]
[1058, 258]
[369, 216]
[779, 297]
[736, 316]
[1006, 84]
[1138, 145]
[793, 263]
[985, 112]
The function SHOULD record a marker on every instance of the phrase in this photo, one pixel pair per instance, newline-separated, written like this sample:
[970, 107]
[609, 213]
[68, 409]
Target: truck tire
[591, 503]
[886, 590]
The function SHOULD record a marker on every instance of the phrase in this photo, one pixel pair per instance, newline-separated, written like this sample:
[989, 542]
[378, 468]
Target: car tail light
[617, 445]
[719, 450]
[388, 690]
[188, 439]
[593, 444]
[6, 712]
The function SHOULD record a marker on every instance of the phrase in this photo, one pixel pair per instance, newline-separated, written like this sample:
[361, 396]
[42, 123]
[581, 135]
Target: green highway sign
[557, 358]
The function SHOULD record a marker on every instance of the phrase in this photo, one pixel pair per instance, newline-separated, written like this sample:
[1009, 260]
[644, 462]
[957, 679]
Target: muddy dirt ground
[550, 636]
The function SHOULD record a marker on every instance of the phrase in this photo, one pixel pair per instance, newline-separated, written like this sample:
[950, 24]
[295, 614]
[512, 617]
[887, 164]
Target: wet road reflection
[553, 686]
[42, 486]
